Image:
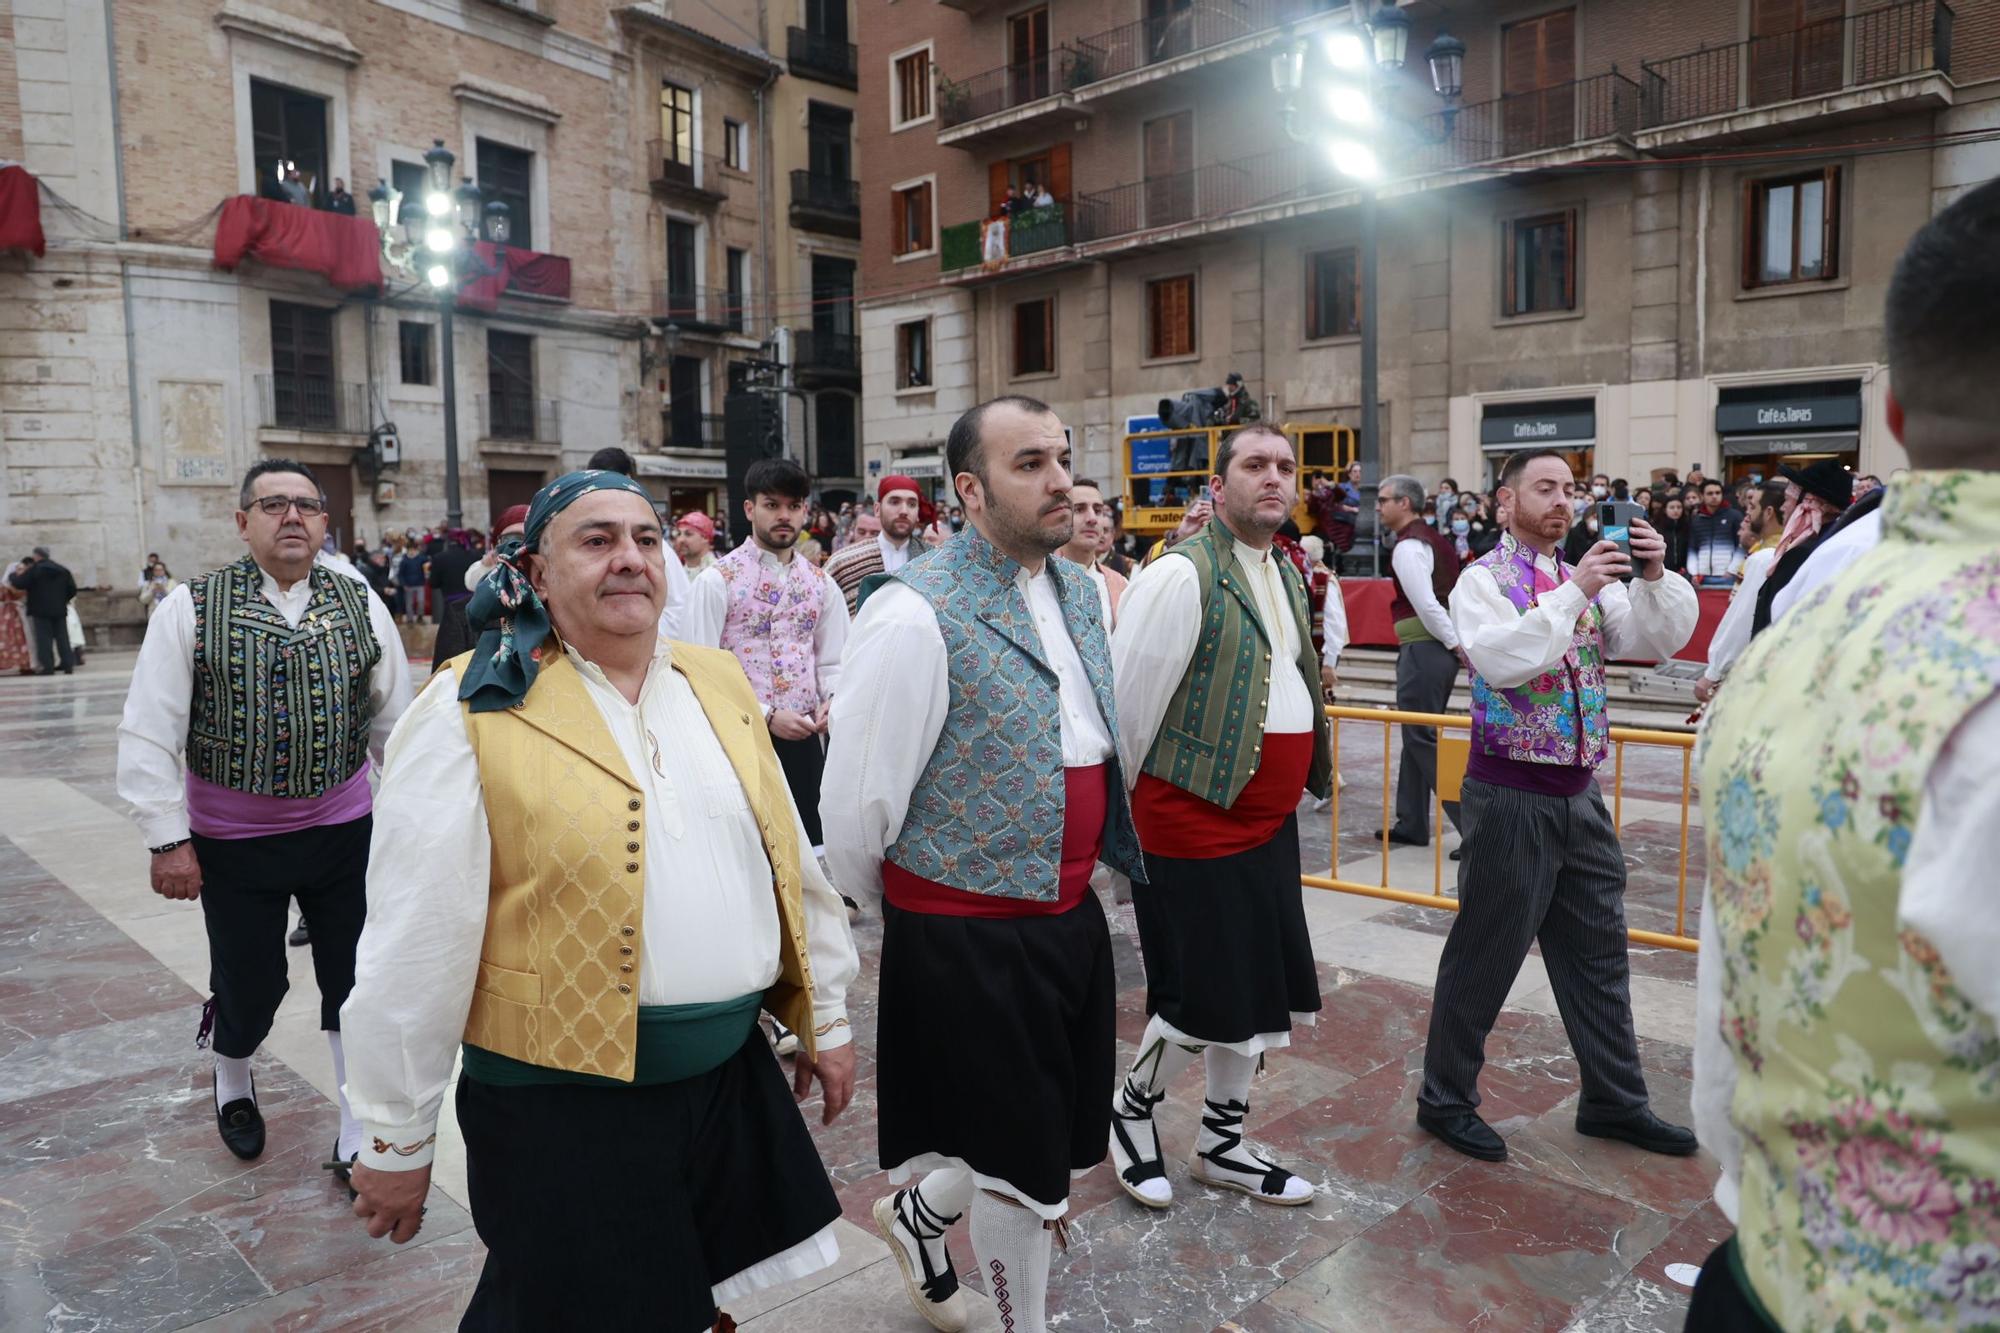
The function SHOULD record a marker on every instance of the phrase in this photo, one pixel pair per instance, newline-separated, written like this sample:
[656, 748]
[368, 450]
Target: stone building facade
[1651, 235]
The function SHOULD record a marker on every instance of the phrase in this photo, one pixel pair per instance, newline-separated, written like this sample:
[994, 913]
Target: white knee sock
[232, 1079]
[350, 1128]
[1013, 1250]
[948, 1191]
[1160, 1061]
[1229, 1075]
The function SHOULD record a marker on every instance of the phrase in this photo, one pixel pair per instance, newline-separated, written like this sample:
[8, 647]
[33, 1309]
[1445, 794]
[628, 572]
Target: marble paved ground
[119, 1210]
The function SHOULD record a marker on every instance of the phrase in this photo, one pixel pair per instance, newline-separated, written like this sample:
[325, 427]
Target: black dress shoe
[1644, 1130]
[1466, 1132]
[1402, 839]
[1455, 851]
[242, 1125]
[299, 936]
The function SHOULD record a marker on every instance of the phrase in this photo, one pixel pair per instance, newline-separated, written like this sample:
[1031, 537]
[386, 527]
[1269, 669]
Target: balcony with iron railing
[710, 310]
[990, 241]
[1149, 48]
[1899, 54]
[1012, 98]
[814, 55]
[821, 356]
[825, 203]
[520, 418]
[1604, 107]
[691, 431]
[309, 403]
[701, 179]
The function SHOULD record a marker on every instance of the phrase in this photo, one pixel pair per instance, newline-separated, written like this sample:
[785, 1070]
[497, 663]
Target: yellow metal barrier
[1452, 754]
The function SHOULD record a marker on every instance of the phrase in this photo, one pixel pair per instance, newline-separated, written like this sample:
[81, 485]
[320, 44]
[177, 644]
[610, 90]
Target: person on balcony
[1541, 855]
[339, 200]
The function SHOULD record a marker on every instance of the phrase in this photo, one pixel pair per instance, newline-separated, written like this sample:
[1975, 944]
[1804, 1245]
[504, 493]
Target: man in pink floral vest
[1541, 859]
[785, 621]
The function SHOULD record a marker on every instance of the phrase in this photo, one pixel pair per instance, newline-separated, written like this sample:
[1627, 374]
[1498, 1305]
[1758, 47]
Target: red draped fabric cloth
[522, 272]
[343, 248]
[21, 212]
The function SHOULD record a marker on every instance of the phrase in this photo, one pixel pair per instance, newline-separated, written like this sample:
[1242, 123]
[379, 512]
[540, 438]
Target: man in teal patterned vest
[260, 693]
[1222, 723]
[1847, 1057]
[973, 776]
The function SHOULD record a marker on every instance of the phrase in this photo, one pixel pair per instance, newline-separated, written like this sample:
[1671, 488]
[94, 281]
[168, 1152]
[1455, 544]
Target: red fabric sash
[1086, 799]
[344, 249]
[1177, 823]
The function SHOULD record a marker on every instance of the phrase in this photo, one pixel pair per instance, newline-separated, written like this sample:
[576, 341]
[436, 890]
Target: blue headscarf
[505, 611]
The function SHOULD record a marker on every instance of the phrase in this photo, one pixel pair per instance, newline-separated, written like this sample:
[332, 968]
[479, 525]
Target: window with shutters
[1035, 337]
[1170, 317]
[735, 145]
[1167, 148]
[508, 175]
[912, 221]
[1333, 295]
[736, 271]
[414, 341]
[910, 87]
[1792, 229]
[913, 355]
[1537, 82]
[1795, 48]
[510, 385]
[1538, 263]
[1028, 56]
[302, 387]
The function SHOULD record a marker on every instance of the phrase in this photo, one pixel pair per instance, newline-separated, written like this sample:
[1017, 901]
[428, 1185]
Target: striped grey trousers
[1544, 868]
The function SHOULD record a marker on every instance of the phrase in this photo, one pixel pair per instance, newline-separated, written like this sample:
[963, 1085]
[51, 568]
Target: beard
[777, 540]
[1024, 527]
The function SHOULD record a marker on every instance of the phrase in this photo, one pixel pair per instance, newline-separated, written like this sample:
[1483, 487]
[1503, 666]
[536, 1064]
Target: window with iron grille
[303, 395]
[413, 341]
[508, 175]
[1170, 317]
[1791, 229]
[510, 385]
[910, 219]
[913, 87]
[1035, 337]
[1333, 295]
[736, 264]
[1539, 259]
[913, 355]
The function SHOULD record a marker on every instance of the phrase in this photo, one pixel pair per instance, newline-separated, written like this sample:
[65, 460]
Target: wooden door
[1795, 49]
[1169, 29]
[1028, 56]
[1169, 159]
[1537, 82]
[336, 482]
[507, 487]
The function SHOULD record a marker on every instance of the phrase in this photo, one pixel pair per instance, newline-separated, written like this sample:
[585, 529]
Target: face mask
[1598, 491]
[1460, 526]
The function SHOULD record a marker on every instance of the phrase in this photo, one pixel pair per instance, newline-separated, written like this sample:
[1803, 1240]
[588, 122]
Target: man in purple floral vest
[1541, 857]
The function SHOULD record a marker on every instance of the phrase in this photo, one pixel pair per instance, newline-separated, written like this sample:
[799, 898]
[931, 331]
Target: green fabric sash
[676, 1041]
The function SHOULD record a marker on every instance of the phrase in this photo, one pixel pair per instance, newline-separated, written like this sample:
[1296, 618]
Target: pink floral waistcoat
[773, 614]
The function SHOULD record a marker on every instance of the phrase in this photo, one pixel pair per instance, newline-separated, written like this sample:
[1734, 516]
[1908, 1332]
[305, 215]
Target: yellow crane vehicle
[1164, 471]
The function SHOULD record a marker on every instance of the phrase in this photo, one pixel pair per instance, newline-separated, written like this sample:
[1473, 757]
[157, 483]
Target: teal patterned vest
[280, 711]
[987, 812]
[1208, 738]
[1868, 1081]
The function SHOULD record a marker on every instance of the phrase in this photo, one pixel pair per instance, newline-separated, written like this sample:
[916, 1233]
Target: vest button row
[631, 867]
[625, 948]
[625, 967]
[625, 931]
[633, 804]
[631, 846]
[624, 989]
[632, 827]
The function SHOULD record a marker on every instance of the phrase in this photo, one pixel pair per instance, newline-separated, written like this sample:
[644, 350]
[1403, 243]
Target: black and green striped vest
[279, 711]
[1208, 739]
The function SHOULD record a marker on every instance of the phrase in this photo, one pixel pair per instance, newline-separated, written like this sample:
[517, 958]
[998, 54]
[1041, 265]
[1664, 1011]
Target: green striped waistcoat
[1208, 740]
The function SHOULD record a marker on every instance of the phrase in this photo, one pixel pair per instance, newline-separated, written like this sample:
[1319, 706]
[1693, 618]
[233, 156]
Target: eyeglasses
[274, 506]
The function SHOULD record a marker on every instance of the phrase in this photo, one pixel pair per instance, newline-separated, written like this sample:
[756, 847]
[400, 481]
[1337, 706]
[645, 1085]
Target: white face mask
[1599, 491]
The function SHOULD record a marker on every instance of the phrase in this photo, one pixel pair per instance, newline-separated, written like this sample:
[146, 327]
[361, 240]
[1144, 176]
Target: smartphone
[1614, 524]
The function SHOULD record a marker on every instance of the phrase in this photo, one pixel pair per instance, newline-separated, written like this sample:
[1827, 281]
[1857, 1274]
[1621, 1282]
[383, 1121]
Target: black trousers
[804, 761]
[247, 885]
[1544, 868]
[1723, 1302]
[52, 646]
[1425, 672]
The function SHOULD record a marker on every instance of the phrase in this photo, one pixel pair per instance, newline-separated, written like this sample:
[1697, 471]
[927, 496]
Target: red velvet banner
[343, 248]
[523, 272]
[1369, 624]
[21, 212]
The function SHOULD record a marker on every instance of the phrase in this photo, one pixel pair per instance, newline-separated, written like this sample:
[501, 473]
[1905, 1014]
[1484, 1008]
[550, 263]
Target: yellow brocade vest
[559, 967]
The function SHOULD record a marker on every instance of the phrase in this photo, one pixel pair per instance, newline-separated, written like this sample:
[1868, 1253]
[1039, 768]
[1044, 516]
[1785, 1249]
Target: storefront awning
[681, 469]
[919, 465]
[1515, 446]
[1557, 423]
[1809, 442]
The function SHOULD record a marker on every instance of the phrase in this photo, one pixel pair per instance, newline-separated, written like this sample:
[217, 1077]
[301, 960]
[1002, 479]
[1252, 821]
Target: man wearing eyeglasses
[261, 692]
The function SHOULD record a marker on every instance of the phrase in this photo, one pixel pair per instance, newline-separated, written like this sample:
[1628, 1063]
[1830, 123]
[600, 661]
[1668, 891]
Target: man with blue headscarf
[590, 877]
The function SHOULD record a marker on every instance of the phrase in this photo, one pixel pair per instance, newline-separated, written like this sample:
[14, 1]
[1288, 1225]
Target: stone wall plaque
[194, 433]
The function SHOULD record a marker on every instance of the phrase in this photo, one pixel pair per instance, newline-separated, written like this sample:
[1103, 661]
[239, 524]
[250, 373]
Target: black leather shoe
[1455, 851]
[1644, 1130]
[1402, 839]
[299, 936]
[1466, 1132]
[242, 1125]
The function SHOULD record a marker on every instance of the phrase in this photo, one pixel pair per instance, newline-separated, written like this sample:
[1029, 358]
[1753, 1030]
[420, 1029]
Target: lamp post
[1347, 95]
[453, 218]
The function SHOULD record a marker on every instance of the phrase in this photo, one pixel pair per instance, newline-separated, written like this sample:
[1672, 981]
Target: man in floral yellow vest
[1847, 1059]
[1541, 859]
[589, 876]
[974, 779]
[1221, 728]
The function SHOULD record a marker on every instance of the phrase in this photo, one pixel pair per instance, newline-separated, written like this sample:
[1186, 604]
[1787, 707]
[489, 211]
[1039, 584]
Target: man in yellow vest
[589, 874]
[1847, 1057]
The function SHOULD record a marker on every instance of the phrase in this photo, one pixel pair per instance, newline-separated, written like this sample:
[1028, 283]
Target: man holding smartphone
[1541, 855]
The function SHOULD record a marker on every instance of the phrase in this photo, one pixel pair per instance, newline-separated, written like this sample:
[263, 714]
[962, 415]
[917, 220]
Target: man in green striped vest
[1847, 1059]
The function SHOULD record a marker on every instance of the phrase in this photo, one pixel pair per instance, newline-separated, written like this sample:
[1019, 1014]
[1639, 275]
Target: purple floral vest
[1543, 720]
[772, 616]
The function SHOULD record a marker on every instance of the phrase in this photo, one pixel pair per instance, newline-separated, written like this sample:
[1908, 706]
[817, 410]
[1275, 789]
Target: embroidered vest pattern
[1559, 716]
[1869, 1085]
[1216, 715]
[987, 813]
[770, 623]
[279, 711]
